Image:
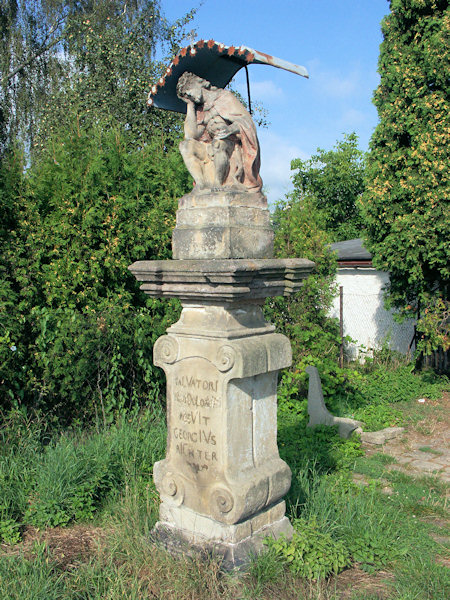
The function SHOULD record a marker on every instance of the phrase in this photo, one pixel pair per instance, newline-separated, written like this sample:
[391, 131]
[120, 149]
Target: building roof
[351, 252]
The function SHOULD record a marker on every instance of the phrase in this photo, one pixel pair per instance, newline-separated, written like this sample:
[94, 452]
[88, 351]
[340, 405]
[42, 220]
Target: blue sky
[336, 40]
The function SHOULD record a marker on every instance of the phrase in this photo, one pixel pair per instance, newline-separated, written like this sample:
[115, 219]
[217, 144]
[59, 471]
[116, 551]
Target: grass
[430, 450]
[100, 482]
[381, 532]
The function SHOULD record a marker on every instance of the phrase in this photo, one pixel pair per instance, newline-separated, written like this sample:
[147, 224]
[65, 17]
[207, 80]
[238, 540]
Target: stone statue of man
[221, 146]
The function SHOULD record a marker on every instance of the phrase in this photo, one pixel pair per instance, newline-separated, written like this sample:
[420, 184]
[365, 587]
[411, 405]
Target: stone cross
[222, 481]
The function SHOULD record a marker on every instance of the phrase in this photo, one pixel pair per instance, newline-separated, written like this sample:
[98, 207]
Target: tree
[300, 232]
[99, 192]
[405, 206]
[29, 34]
[334, 181]
[98, 56]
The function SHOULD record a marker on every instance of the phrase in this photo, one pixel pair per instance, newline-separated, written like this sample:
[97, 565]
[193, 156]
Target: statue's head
[191, 86]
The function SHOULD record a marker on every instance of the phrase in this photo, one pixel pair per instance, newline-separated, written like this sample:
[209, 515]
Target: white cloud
[335, 83]
[261, 90]
[276, 155]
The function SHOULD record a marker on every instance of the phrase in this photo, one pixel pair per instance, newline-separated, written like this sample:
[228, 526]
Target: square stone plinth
[220, 224]
[183, 531]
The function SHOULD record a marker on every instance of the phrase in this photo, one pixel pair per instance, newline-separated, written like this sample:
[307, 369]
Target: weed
[378, 416]
[430, 450]
[311, 553]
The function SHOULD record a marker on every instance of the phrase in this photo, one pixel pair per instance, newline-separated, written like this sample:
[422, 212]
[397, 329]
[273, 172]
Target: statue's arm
[191, 130]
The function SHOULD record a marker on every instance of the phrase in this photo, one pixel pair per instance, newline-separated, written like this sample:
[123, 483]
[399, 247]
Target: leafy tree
[28, 32]
[334, 181]
[112, 48]
[96, 55]
[12, 325]
[300, 232]
[406, 207]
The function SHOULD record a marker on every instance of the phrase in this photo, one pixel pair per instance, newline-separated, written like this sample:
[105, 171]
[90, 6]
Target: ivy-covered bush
[77, 333]
[405, 205]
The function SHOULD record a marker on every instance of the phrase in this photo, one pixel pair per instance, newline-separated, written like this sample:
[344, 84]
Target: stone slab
[443, 460]
[182, 533]
[379, 438]
[221, 280]
[404, 460]
[425, 465]
[419, 455]
[221, 242]
[222, 197]
[222, 223]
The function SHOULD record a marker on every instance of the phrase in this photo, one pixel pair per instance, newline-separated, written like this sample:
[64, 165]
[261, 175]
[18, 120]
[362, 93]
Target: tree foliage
[80, 337]
[99, 192]
[300, 232]
[98, 57]
[406, 207]
[334, 181]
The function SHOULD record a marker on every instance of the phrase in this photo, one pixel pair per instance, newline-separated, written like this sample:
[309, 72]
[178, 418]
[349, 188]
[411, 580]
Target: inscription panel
[195, 416]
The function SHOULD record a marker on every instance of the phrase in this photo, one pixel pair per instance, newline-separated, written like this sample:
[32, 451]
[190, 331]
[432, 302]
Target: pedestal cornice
[226, 280]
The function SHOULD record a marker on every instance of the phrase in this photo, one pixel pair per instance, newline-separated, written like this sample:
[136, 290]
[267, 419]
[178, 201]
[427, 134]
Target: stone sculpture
[222, 480]
[221, 146]
[318, 412]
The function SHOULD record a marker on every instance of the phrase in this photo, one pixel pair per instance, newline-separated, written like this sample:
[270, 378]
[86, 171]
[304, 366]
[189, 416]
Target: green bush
[311, 553]
[77, 333]
[97, 364]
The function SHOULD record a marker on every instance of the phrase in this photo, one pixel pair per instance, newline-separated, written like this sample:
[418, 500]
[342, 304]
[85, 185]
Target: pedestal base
[183, 531]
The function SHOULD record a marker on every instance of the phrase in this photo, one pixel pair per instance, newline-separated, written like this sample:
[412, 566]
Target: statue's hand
[223, 133]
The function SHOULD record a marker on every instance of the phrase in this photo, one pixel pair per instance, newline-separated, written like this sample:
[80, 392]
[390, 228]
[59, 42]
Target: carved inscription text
[195, 417]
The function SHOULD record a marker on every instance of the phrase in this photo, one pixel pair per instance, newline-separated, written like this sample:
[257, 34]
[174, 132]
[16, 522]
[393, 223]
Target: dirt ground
[424, 446]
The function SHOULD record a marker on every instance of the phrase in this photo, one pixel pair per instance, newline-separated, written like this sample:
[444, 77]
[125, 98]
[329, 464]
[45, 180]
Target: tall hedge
[406, 205]
[77, 332]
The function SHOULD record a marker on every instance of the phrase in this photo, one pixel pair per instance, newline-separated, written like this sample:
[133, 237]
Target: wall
[365, 318]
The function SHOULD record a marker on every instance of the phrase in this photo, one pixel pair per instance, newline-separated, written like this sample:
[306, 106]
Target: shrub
[311, 553]
[82, 332]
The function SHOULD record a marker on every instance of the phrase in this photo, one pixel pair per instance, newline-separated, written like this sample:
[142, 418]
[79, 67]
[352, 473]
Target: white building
[365, 319]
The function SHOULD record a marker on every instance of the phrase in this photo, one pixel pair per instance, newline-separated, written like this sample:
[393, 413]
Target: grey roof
[351, 250]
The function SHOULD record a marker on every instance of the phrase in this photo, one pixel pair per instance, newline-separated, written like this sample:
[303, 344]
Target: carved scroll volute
[225, 358]
[165, 350]
[221, 502]
[172, 487]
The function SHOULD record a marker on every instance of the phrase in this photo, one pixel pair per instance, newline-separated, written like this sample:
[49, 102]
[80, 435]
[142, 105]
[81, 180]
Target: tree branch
[44, 49]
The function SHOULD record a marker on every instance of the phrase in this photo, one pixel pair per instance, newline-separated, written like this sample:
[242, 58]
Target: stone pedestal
[222, 481]
[222, 223]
